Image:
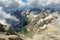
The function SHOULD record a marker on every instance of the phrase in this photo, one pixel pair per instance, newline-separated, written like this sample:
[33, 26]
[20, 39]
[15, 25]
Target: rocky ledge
[7, 33]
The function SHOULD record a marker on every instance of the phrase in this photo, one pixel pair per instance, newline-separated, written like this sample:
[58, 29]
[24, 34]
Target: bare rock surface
[44, 28]
[7, 33]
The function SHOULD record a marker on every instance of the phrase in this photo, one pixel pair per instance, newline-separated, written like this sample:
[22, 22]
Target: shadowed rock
[7, 33]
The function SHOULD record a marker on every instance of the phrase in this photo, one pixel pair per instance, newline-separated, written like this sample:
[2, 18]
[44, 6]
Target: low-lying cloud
[7, 18]
[4, 16]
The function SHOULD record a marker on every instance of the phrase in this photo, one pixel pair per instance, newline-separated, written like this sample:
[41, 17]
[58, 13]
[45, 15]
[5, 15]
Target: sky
[22, 3]
[25, 1]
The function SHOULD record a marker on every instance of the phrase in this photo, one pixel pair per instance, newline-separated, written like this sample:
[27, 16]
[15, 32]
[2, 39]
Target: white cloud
[4, 16]
[20, 3]
[49, 2]
[32, 3]
[8, 16]
[44, 2]
[11, 3]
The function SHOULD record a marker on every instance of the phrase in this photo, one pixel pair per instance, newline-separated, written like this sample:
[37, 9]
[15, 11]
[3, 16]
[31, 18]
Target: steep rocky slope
[46, 26]
[7, 33]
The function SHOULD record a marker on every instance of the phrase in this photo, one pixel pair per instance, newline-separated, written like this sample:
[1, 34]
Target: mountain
[7, 33]
[23, 15]
[43, 27]
[35, 9]
[43, 18]
[33, 24]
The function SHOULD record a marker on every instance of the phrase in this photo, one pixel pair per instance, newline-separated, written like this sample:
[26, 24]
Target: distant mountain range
[21, 14]
[52, 9]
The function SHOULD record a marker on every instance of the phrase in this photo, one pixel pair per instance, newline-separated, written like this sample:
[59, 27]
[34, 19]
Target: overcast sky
[21, 3]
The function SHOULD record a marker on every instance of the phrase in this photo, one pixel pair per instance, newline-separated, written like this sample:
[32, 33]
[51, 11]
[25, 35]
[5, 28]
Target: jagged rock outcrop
[44, 28]
[7, 33]
[42, 20]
